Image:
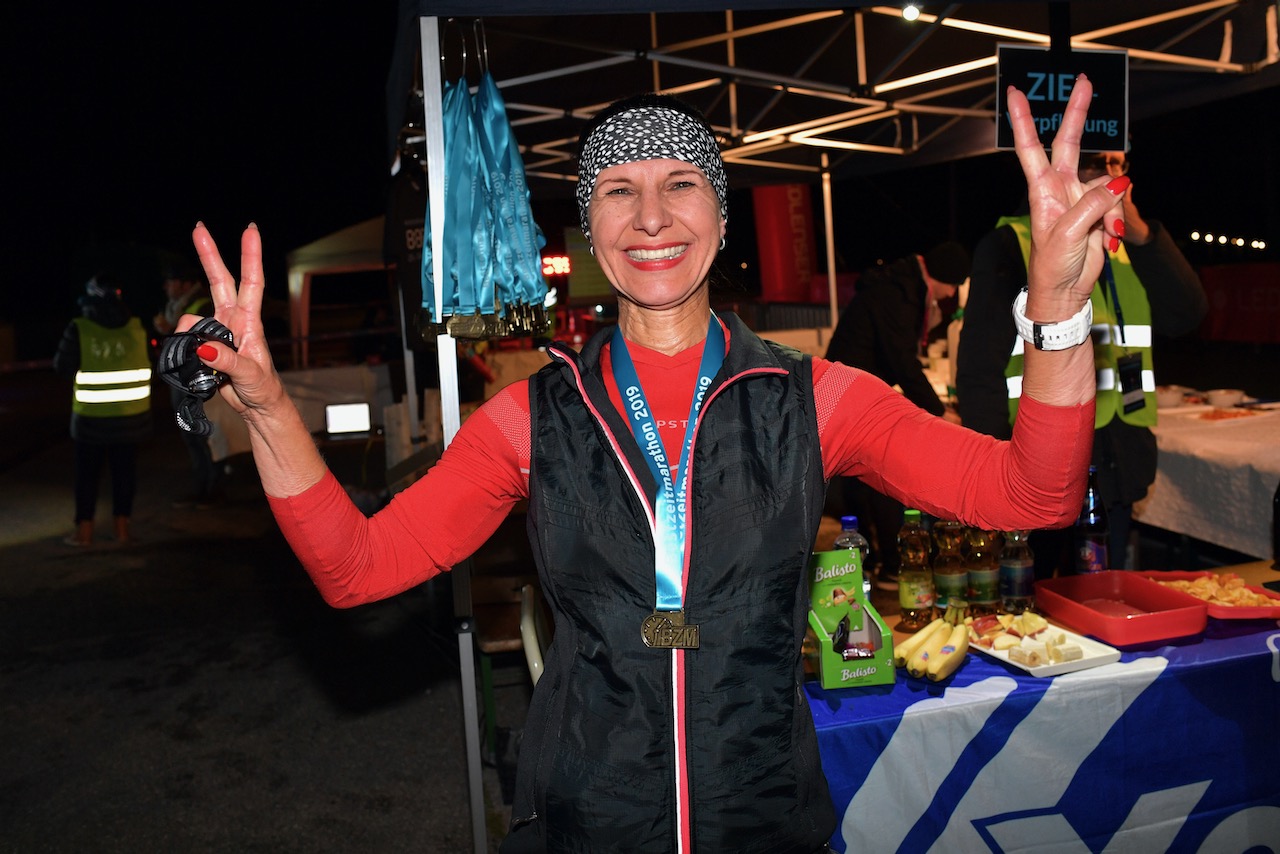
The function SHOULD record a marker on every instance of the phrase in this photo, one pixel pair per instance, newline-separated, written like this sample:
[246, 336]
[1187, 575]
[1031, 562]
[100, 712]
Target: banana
[951, 655]
[902, 652]
[918, 664]
[954, 614]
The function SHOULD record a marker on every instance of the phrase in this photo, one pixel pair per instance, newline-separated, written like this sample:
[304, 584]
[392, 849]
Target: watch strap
[1062, 335]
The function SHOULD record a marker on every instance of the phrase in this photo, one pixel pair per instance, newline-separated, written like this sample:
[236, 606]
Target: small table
[1215, 480]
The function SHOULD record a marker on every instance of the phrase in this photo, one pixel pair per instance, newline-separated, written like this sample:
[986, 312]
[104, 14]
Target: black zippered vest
[597, 760]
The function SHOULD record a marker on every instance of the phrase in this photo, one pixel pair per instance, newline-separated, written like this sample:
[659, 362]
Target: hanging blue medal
[666, 627]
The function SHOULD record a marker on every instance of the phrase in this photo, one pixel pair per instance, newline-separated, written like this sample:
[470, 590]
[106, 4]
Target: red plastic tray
[1224, 612]
[1121, 608]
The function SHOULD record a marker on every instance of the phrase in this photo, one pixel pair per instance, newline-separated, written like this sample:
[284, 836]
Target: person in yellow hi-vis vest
[105, 350]
[1147, 288]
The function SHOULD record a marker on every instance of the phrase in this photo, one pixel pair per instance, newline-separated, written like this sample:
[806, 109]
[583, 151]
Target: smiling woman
[652, 200]
[656, 228]
[675, 471]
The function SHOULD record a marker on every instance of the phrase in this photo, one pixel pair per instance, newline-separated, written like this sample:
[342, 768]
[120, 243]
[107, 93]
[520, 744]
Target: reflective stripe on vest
[1108, 342]
[115, 373]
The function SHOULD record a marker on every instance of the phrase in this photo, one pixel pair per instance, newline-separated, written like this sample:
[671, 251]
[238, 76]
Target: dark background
[126, 128]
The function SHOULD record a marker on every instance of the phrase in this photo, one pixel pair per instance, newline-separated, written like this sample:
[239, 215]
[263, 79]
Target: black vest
[597, 761]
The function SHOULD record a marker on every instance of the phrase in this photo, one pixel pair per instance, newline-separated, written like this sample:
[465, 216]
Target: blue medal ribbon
[669, 510]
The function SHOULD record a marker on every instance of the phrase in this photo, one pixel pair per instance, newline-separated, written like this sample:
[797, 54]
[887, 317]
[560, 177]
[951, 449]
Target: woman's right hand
[283, 450]
[254, 384]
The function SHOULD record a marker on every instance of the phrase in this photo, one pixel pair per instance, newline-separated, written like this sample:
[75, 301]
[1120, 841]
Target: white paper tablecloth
[1216, 479]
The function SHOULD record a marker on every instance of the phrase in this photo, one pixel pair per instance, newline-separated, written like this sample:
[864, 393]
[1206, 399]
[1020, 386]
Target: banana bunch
[935, 651]
[903, 652]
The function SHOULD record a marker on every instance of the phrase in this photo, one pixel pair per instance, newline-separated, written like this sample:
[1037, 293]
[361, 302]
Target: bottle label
[1092, 556]
[1017, 579]
[951, 585]
[984, 585]
[915, 591]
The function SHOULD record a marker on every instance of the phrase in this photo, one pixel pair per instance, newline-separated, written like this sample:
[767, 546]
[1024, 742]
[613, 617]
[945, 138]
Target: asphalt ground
[191, 691]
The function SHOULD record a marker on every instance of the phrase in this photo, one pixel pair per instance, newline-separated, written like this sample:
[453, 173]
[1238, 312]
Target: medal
[667, 630]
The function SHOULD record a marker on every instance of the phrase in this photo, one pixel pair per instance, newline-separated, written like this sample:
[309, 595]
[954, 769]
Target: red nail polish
[1117, 186]
[208, 352]
[1118, 227]
[1113, 244]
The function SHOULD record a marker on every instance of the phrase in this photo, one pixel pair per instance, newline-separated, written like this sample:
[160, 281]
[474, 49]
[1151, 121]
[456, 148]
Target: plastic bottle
[1092, 530]
[851, 538]
[915, 579]
[1017, 574]
[984, 572]
[950, 574]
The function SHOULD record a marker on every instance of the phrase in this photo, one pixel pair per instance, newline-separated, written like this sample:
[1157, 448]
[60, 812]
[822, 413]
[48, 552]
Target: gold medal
[667, 630]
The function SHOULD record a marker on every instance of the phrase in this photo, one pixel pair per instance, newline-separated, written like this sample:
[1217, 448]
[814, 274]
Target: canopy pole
[447, 361]
[831, 241]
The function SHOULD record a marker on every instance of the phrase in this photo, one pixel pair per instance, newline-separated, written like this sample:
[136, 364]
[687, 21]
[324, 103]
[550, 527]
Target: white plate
[1095, 653]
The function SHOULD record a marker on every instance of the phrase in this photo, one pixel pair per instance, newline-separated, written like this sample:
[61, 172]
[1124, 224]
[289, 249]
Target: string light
[1223, 240]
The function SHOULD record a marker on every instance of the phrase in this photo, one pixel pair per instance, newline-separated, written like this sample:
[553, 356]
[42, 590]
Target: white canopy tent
[355, 249]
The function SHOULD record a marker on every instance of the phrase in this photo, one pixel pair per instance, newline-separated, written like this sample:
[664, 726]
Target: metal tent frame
[870, 94]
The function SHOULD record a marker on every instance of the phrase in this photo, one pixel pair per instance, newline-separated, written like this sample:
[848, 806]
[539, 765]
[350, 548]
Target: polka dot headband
[648, 133]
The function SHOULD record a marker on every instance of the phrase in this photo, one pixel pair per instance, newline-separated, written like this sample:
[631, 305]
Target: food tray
[1222, 612]
[1095, 654]
[1122, 608]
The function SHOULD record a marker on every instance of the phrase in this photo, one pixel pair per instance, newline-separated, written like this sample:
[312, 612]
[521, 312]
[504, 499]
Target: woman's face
[655, 228]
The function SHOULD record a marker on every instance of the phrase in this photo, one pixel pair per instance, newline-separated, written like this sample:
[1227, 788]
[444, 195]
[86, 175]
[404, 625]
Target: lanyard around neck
[669, 510]
[1112, 297]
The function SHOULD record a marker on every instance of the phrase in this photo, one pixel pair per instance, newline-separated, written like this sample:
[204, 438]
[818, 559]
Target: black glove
[181, 368]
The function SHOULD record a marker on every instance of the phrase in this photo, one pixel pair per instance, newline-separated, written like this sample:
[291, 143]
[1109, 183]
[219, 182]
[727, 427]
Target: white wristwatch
[1062, 335]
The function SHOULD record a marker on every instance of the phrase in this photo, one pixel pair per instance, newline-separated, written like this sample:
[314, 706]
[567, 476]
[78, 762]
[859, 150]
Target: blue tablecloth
[1169, 749]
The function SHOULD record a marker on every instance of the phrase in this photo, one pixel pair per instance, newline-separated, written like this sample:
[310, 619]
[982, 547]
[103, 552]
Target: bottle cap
[849, 523]
[911, 515]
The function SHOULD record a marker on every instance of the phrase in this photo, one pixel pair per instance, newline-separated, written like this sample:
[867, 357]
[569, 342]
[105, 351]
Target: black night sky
[126, 125]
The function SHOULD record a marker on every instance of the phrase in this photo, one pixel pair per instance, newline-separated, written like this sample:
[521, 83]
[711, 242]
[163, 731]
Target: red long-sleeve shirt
[866, 430]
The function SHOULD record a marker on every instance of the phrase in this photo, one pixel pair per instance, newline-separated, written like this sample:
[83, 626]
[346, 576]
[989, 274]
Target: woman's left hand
[1072, 223]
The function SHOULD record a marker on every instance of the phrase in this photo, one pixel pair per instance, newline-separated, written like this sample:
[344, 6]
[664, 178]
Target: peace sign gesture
[283, 450]
[1072, 223]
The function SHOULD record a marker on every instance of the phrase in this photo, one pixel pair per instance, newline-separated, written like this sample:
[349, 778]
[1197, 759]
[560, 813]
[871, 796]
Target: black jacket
[879, 331]
[597, 763]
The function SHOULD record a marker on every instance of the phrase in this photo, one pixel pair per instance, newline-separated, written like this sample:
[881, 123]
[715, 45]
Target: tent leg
[447, 363]
[831, 243]
[471, 718]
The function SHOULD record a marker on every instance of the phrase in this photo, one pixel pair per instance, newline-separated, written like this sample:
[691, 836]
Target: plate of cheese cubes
[1030, 642]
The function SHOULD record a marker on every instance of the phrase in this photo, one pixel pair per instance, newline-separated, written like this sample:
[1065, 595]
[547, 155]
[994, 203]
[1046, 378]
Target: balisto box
[853, 646]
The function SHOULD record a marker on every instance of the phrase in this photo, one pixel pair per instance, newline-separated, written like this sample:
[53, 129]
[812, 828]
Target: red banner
[784, 235]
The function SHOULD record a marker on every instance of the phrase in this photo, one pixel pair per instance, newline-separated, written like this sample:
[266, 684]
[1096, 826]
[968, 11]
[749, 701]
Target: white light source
[910, 12]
